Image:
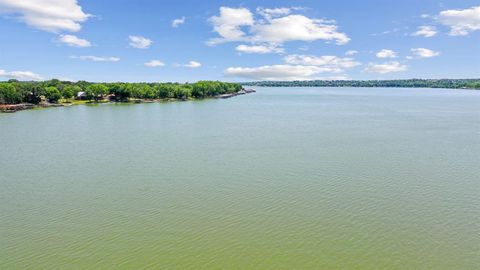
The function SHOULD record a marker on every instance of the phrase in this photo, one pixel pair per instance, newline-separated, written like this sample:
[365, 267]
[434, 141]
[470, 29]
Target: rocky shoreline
[11, 108]
[241, 92]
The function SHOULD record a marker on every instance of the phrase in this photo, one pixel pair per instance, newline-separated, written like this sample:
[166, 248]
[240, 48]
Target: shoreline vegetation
[17, 95]
[410, 83]
[22, 95]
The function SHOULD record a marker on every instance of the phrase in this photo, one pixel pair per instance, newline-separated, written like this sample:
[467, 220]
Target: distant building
[81, 95]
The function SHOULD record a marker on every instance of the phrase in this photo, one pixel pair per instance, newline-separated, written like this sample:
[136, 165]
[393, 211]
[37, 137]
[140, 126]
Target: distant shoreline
[473, 84]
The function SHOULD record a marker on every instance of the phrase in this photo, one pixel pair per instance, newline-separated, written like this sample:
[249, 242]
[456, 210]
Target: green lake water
[286, 178]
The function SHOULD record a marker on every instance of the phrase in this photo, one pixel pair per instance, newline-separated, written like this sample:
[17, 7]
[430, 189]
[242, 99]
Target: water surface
[287, 178]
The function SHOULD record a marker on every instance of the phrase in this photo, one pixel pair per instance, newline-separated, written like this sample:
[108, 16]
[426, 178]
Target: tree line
[412, 83]
[54, 91]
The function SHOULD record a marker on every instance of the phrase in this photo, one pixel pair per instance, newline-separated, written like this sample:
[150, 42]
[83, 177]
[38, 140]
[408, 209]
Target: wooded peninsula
[17, 95]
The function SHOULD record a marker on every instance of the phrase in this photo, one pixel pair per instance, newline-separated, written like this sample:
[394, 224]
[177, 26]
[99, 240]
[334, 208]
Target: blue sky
[126, 40]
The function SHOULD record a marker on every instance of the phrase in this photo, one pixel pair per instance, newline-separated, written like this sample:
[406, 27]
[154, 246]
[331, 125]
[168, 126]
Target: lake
[285, 178]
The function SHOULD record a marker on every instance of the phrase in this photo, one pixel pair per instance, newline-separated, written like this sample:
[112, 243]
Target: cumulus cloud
[351, 52]
[258, 49]
[193, 64]
[96, 58]
[424, 53]
[154, 63]
[461, 22]
[386, 54]
[297, 27]
[177, 22]
[297, 67]
[20, 75]
[47, 15]
[139, 42]
[425, 31]
[276, 27]
[228, 24]
[383, 68]
[329, 63]
[74, 41]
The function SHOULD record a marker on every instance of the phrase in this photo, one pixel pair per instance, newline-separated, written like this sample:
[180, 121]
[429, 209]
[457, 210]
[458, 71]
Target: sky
[186, 41]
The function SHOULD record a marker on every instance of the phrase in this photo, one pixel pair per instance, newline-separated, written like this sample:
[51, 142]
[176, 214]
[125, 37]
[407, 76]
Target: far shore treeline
[411, 83]
[55, 91]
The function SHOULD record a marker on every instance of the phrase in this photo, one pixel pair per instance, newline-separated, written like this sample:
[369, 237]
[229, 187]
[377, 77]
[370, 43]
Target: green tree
[53, 82]
[181, 92]
[70, 91]
[31, 92]
[8, 94]
[149, 92]
[121, 91]
[96, 91]
[200, 89]
[164, 90]
[52, 94]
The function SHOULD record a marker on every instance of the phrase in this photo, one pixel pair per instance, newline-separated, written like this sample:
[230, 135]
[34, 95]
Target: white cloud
[387, 32]
[388, 67]
[269, 13]
[386, 54]
[96, 58]
[258, 49]
[424, 53]
[425, 31]
[20, 75]
[351, 52]
[228, 24]
[334, 78]
[193, 64]
[154, 63]
[74, 41]
[67, 79]
[329, 63]
[47, 15]
[297, 28]
[275, 72]
[177, 22]
[461, 22]
[276, 27]
[139, 42]
[297, 67]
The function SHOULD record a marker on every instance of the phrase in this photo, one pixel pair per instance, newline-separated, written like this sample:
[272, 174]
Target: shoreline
[473, 84]
[12, 108]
